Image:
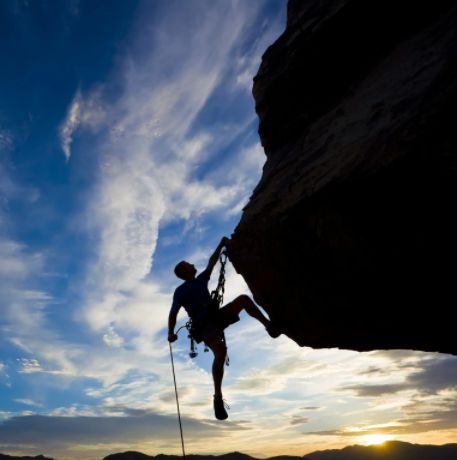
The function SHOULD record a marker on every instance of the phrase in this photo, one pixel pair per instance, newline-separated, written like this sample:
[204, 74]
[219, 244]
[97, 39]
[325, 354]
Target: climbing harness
[193, 346]
[177, 400]
[217, 299]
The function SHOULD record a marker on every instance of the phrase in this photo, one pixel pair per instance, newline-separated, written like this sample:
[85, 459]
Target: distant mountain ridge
[391, 450]
[12, 457]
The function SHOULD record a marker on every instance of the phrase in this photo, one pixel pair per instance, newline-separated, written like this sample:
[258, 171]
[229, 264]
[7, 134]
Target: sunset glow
[374, 439]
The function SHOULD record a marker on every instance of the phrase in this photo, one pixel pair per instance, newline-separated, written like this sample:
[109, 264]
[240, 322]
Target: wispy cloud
[28, 402]
[83, 112]
[25, 302]
[422, 401]
[6, 140]
[419, 417]
[71, 123]
[112, 338]
[17, 262]
[429, 375]
[29, 366]
[23, 315]
[436, 375]
[365, 391]
[4, 377]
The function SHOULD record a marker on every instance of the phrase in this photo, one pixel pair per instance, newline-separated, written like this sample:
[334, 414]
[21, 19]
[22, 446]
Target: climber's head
[185, 271]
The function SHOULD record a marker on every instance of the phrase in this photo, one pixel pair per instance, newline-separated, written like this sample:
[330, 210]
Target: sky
[128, 142]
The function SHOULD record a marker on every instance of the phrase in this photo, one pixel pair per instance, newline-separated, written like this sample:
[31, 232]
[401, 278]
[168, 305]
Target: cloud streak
[69, 126]
[431, 376]
[83, 112]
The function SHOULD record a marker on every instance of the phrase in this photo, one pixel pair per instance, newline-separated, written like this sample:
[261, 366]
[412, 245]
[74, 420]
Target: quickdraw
[217, 296]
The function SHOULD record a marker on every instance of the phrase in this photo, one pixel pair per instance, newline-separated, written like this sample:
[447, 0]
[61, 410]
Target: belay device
[217, 298]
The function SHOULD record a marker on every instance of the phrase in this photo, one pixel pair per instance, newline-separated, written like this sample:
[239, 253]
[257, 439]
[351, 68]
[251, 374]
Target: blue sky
[128, 141]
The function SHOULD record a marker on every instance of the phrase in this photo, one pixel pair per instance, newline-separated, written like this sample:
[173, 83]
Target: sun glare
[374, 439]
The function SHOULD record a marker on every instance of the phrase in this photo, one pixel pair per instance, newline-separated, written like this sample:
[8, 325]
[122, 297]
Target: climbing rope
[177, 401]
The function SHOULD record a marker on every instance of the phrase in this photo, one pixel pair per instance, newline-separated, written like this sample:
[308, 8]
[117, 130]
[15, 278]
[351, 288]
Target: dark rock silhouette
[349, 240]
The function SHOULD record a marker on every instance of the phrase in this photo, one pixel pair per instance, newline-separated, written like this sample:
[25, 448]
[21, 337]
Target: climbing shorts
[211, 324]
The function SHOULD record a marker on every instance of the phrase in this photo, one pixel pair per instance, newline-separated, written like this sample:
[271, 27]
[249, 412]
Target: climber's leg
[243, 302]
[219, 350]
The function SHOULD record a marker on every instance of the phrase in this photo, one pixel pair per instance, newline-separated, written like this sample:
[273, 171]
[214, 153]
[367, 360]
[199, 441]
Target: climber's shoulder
[204, 275]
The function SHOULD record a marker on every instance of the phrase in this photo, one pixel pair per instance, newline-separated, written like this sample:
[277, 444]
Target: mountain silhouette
[132, 455]
[391, 450]
[12, 457]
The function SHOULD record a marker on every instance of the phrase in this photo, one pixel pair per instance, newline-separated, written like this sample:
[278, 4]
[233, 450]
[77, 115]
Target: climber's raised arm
[215, 256]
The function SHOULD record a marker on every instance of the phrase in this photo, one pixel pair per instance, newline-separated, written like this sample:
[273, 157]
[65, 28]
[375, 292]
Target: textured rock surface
[349, 239]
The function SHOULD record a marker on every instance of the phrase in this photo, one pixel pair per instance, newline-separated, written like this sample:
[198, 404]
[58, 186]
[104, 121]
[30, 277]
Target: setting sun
[371, 439]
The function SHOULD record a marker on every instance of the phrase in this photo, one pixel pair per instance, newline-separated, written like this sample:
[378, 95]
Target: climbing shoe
[273, 330]
[219, 408]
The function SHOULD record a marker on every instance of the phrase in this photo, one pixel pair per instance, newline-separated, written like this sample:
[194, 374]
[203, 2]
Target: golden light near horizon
[374, 439]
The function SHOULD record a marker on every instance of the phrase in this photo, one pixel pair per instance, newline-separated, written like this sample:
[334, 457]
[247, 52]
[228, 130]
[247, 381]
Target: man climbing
[208, 324]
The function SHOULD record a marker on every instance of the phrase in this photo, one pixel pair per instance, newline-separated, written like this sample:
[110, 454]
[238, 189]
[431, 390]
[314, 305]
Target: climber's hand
[172, 337]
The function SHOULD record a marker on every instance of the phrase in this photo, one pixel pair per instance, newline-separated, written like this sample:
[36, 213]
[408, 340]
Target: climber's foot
[219, 408]
[273, 330]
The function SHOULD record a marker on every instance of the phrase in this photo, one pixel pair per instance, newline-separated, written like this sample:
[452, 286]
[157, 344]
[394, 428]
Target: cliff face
[349, 239]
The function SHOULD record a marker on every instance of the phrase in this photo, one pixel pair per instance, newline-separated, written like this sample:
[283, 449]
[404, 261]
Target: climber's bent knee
[243, 299]
[238, 304]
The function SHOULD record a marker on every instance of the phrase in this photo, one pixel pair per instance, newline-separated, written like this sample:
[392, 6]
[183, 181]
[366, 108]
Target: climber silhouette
[208, 324]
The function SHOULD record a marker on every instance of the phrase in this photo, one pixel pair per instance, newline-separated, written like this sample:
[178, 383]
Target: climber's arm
[171, 327]
[172, 319]
[215, 256]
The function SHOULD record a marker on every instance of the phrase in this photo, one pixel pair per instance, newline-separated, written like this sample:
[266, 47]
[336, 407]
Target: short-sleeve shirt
[192, 295]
